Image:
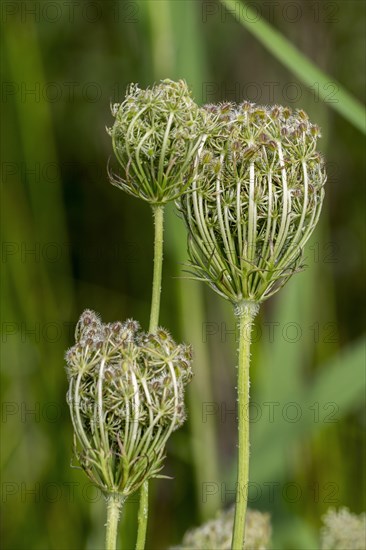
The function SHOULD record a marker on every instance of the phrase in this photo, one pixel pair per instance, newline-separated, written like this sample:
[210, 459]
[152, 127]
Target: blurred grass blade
[39, 294]
[305, 70]
[280, 362]
[190, 65]
[35, 128]
[203, 430]
[342, 380]
[168, 31]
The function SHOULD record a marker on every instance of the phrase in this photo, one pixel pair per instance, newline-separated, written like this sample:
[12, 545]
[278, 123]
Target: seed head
[155, 136]
[255, 199]
[126, 396]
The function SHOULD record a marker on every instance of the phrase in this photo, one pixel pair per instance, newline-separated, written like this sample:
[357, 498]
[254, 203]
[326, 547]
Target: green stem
[245, 312]
[158, 211]
[114, 507]
[142, 516]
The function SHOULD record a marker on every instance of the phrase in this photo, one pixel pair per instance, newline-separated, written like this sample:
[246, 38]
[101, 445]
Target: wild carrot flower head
[126, 396]
[154, 137]
[217, 533]
[343, 530]
[255, 199]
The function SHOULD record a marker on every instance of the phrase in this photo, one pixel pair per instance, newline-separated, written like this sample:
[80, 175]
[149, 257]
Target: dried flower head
[217, 534]
[155, 136]
[126, 396]
[343, 531]
[255, 199]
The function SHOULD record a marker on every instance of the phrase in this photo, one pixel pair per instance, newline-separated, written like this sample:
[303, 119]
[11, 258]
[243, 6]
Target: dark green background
[72, 241]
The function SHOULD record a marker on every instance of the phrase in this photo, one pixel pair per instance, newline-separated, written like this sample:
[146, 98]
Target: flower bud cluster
[126, 396]
[155, 136]
[256, 196]
[217, 533]
[343, 530]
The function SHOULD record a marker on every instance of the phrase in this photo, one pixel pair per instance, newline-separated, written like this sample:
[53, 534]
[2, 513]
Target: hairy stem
[245, 313]
[158, 211]
[114, 507]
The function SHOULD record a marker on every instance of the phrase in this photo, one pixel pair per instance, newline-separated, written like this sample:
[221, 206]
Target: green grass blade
[302, 67]
[341, 382]
[192, 317]
[168, 26]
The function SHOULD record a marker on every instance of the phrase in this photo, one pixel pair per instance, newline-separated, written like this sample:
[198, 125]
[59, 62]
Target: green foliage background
[71, 241]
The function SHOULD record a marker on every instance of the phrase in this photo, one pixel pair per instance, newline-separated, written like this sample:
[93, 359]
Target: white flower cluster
[343, 531]
[216, 534]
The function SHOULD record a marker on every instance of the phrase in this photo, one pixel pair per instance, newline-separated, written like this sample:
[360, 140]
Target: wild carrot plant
[250, 185]
[255, 199]
[126, 396]
[125, 386]
[155, 137]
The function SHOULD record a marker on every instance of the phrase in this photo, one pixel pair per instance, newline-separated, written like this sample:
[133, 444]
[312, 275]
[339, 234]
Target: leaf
[340, 382]
[294, 60]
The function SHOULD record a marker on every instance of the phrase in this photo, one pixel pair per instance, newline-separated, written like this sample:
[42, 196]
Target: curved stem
[245, 312]
[114, 507]
[158, 211]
